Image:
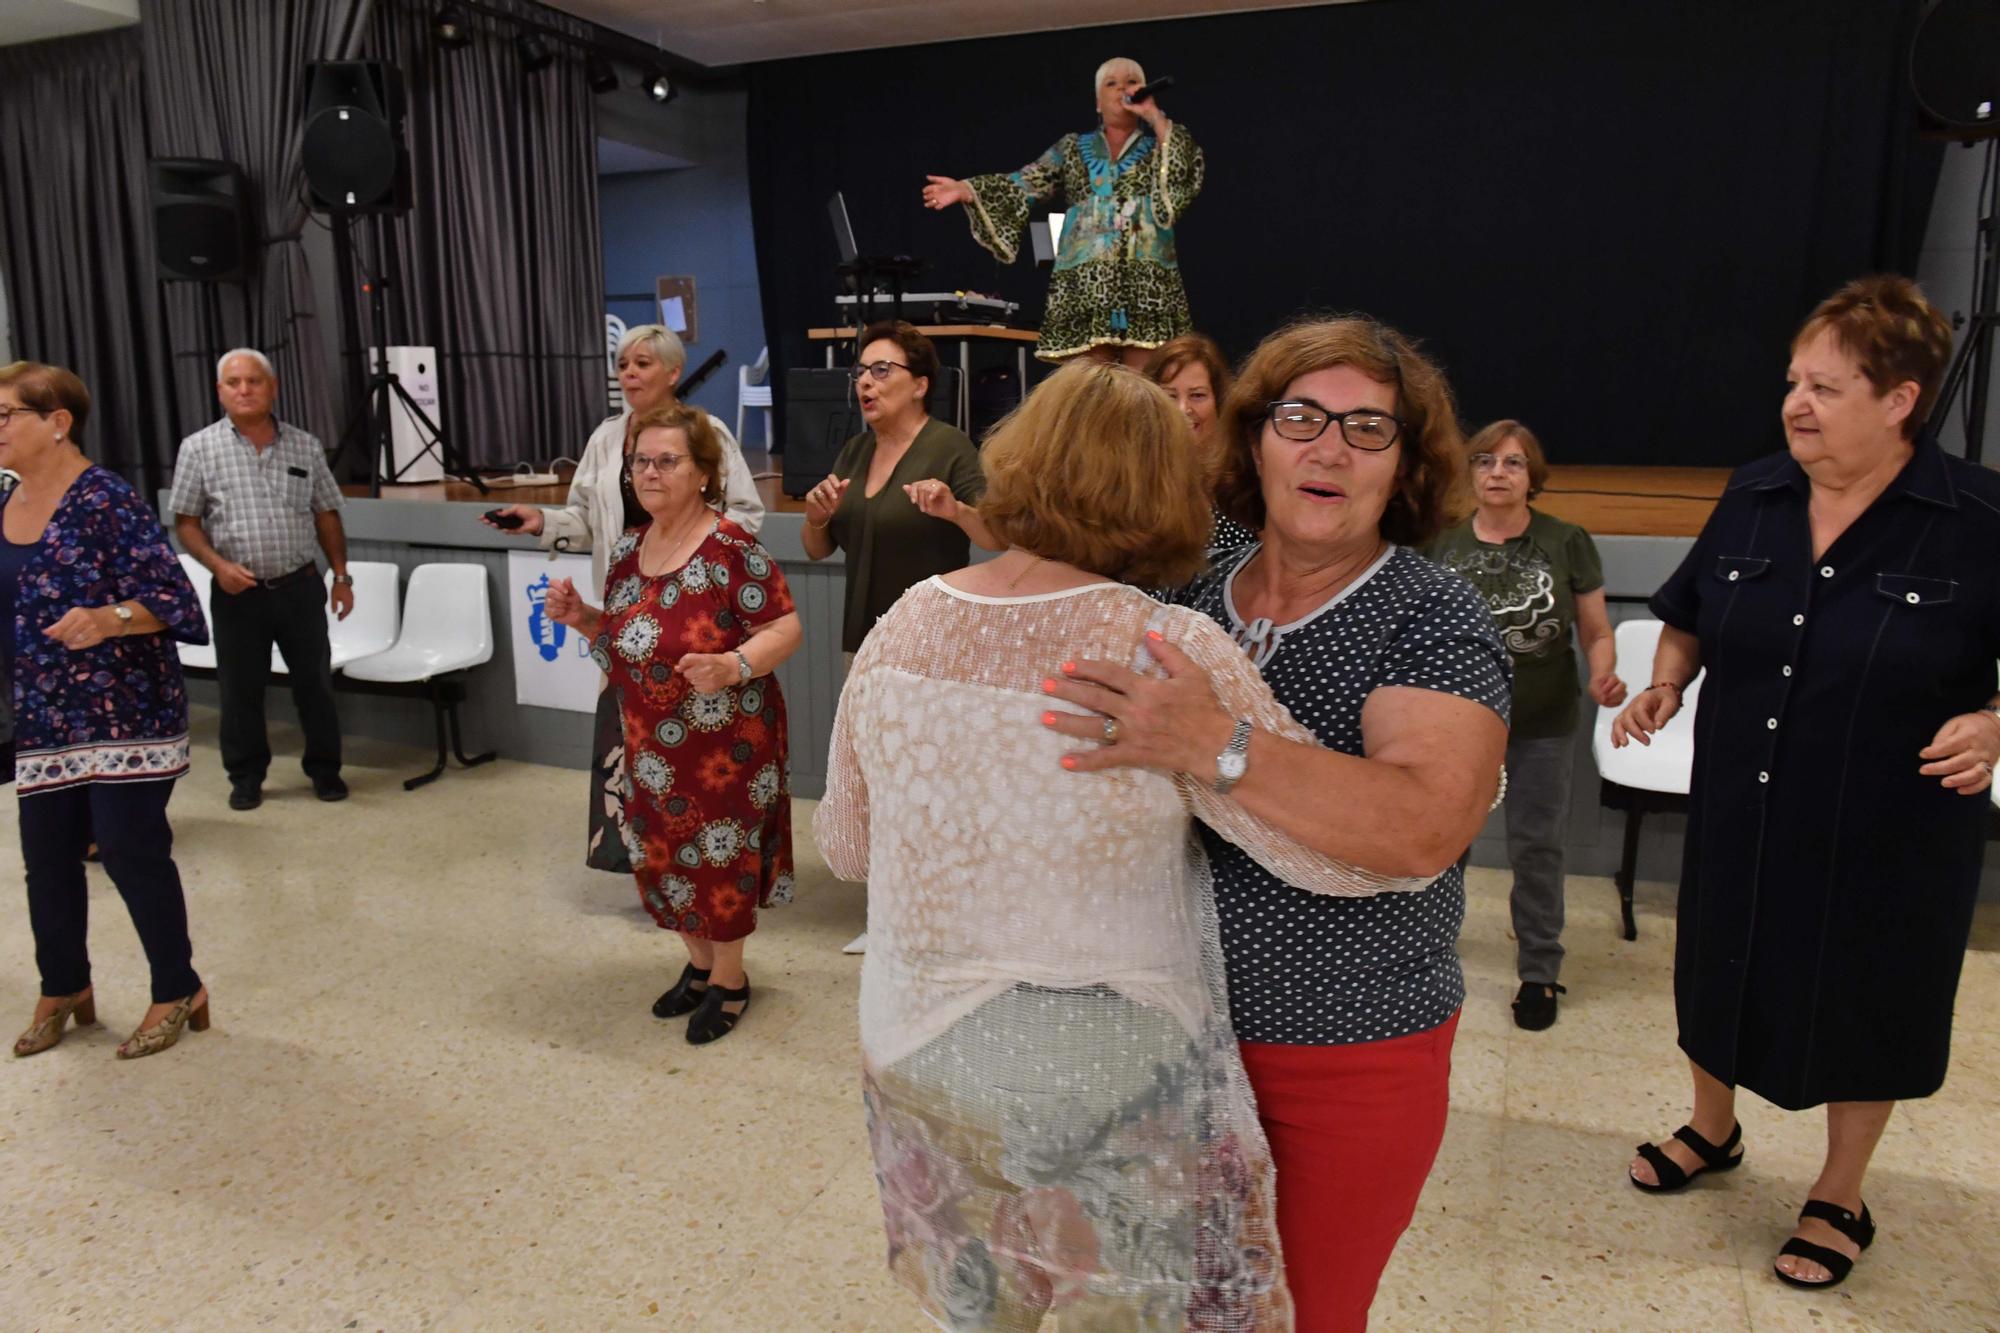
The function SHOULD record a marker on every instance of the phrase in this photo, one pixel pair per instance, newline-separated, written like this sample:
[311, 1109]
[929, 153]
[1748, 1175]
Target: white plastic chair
[614, 333]
[447, 629]
[199, 656]
[753, 389]
[1642, 778]
[371, 628]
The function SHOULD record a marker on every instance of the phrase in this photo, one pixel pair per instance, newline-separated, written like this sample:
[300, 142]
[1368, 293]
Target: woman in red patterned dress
[696, 618]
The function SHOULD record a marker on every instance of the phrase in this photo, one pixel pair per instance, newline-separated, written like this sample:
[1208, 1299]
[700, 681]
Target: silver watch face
[1229, 765]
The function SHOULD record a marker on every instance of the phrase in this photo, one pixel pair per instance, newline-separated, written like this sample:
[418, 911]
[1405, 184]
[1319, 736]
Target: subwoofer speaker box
[821, 415]
[199, 213]
[352, 151]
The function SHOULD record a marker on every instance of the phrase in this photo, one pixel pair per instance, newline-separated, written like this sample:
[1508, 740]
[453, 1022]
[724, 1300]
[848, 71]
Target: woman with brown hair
[1342, 450]
[696, 618]
[1844, 599]
[1058, 1112]
[1543, 581]
[1191, 369]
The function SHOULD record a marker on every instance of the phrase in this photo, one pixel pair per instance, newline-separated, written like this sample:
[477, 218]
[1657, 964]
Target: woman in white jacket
[601, 506]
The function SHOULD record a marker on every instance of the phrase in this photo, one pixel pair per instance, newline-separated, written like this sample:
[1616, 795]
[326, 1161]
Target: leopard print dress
[1117, 280]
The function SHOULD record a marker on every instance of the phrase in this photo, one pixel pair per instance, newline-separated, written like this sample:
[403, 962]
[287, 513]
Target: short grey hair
[660, 340]
[1112, 64]
[223, 361]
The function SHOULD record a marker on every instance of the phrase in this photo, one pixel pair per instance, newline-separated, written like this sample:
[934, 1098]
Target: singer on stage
[1116, 291]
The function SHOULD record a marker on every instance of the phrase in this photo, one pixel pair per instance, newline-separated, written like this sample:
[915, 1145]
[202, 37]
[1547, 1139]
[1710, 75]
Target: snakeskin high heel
[191, 1012]
[40, 1036]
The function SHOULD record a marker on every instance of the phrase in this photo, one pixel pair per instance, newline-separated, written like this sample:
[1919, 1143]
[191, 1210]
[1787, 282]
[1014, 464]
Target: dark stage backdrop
[1604, 219]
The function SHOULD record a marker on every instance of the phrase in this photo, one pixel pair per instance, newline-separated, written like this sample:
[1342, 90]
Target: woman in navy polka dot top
[1341, 450]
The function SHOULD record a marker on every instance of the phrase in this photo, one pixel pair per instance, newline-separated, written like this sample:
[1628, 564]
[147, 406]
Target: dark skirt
[607, 848]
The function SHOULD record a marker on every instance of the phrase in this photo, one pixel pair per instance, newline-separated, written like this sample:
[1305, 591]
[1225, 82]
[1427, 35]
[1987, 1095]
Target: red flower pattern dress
[709, 815]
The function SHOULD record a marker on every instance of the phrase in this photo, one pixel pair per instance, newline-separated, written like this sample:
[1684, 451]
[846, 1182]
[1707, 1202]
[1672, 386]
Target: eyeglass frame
[873, 370]
[1271, 416]
[7, 414]
[665, 465]
[1503, 462]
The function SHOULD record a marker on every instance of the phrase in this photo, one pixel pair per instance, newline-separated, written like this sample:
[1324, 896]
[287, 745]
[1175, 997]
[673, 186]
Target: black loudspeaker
[1955, 67]
[199, 232]
[821, 416]
[352, 150]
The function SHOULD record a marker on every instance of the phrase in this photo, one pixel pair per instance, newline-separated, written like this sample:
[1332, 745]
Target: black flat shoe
[1671, 1175]
[1860, 1230]
[246, 796]
[1535, 1005]
[712, 1022]
[684, 996]
[330, 789]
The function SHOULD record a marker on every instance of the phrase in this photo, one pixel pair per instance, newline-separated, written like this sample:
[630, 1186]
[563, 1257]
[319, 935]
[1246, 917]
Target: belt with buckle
[299, 575]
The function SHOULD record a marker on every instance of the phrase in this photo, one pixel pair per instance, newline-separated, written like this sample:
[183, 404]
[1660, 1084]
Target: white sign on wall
[552, 666]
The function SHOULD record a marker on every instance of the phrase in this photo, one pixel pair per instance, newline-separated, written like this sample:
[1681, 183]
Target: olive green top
[890, 544]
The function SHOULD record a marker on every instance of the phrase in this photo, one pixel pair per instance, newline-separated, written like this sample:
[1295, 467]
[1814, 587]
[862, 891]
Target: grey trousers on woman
[1537, 822]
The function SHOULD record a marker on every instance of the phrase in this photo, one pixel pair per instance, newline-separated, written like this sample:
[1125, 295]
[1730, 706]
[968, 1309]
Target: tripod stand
[1975, 353]
[372, 424]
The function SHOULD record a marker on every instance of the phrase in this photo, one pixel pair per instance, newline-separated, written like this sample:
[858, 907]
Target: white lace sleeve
[840, 825]
[1245, 695]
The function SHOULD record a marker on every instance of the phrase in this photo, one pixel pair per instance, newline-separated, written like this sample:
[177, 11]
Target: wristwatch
[743, 668]
[124, 614]
[343, 580]
[1235, 757]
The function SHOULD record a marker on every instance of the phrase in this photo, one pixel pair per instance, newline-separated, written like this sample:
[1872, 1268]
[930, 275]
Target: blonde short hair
[1097, 469]
[1112, 64]
[660, 340]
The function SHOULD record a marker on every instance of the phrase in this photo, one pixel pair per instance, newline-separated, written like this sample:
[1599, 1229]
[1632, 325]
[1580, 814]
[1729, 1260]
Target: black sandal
[684, 996]
[1860, 1230]
[711, 1022]
[1672, 1176]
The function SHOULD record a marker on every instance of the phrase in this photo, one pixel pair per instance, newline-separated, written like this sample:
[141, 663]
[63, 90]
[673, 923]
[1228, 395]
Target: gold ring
[1111, 731]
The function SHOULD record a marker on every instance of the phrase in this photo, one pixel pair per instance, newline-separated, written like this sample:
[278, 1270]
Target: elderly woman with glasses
[601, 505]
[1341, 451]
[1116, 292]
[1542, 580]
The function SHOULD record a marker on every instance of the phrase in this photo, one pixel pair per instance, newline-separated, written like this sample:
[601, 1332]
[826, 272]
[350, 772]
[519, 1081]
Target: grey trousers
[1538, 774]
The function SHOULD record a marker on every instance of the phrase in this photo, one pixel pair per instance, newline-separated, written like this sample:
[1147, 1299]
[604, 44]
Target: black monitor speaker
[821, 415]
[199, 213]
[1955, 68]
[352, 150]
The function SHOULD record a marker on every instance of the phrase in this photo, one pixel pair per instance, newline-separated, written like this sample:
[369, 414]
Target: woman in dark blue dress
[1844, 599]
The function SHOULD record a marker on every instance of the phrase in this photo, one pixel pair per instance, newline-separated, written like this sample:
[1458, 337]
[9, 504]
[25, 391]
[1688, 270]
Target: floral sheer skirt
[1075, 1152]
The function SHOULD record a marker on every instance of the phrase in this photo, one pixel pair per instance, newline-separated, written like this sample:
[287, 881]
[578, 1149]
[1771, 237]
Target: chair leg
[437, 716]
[458, 747]
[1628, 867]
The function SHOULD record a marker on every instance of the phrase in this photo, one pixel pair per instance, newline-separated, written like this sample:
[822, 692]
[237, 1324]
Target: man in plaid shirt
[252, 499]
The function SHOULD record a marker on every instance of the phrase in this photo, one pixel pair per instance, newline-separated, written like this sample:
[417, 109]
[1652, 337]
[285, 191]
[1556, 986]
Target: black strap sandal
[1860, 1230]
[684, 996]
[1671, 1174]
[712, 1022]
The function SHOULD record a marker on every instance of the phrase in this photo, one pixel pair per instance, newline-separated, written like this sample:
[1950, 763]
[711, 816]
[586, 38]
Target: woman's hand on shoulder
[1176, 725]
[1962, 754]
[1650, 709]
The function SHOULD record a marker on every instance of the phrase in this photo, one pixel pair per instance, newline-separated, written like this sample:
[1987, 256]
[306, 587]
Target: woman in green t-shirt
[1542, 579]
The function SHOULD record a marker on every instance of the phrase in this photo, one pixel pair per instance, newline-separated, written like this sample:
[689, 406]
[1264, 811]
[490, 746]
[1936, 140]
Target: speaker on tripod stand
[356, 165]
[1955, 75]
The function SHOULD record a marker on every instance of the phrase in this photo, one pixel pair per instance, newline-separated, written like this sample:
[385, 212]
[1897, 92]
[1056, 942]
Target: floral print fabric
[116, 712]
[708, 816]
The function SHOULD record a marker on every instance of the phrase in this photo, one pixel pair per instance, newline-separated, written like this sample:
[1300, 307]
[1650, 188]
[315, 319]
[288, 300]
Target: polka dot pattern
[1307, 969]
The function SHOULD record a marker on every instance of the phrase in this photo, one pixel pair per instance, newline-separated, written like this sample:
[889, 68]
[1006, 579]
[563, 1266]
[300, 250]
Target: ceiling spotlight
[535, 53]
[450, 26]
[660, 88]
[601, 75]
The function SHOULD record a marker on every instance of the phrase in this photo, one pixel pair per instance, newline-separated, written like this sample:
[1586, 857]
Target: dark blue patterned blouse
[116, 712]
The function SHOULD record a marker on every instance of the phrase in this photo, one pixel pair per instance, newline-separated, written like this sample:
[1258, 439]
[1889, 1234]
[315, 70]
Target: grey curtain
[499, 265]
[76, 239]
[226, 79]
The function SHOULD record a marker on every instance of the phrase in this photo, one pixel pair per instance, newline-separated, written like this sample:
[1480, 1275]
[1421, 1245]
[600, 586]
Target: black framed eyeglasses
[1303, 421]
[7, 414]
[879, 369]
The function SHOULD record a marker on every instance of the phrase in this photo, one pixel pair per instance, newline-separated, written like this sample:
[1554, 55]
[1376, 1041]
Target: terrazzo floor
[433, 1098]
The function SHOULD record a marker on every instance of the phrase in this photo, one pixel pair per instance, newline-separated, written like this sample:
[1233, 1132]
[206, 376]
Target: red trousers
[1353, 1130]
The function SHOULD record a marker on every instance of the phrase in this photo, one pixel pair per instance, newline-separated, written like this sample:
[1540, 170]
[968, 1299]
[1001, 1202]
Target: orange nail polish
[1048, 719]
[1049, 685]
[1156, 636]
[1069, 761]
[1069, 668]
